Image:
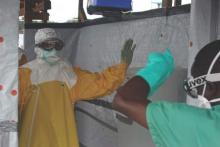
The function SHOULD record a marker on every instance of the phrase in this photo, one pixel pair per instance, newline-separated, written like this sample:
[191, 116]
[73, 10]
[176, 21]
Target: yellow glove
[127, 51]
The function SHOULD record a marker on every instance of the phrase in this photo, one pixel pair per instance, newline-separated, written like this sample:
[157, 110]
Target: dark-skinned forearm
[134, 109]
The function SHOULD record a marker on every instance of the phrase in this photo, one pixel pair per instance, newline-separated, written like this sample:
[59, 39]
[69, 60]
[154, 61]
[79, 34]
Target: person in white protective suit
[49, 87]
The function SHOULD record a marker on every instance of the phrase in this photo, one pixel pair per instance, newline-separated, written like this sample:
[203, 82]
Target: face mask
[52, 53]
[191, 85]
[200, 102]
[51, 56]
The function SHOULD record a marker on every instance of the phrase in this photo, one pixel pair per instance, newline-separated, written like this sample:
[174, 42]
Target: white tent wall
[8, 68]
[98, 46]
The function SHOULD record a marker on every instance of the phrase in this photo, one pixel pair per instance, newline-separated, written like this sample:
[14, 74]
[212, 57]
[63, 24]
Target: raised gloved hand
[158, 68]
[127, 51]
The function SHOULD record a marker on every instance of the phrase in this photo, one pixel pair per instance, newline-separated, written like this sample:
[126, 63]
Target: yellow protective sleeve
[93, 85]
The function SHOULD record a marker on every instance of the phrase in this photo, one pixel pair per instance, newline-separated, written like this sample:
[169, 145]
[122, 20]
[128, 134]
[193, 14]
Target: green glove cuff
[158, 68]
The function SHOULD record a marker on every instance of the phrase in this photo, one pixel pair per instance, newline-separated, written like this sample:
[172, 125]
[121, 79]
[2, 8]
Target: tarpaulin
[8, 67]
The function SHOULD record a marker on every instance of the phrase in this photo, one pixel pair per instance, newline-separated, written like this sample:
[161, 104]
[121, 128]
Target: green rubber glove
[158, 68]
[127, 51]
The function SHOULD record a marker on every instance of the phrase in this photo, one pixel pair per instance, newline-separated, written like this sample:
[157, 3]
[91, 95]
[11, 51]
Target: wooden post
[45, 14]
[167, 3]
[81, 12]
[28, 11]
[178, 2]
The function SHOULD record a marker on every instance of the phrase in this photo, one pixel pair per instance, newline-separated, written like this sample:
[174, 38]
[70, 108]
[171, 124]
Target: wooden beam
[35, 10]
[40, 16]
[21, 10]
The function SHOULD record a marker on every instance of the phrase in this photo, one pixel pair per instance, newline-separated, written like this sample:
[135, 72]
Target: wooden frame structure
[35, 10]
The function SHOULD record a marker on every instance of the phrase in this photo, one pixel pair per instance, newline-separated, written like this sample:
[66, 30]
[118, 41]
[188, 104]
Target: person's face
[210, 88]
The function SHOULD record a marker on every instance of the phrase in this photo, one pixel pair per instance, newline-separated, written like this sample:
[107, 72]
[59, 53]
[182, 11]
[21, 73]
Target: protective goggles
[48, 45]
[194, 86]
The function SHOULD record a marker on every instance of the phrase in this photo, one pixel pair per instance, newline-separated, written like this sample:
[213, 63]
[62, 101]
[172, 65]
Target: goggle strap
[194, 81]
[214, 100]
[213, 62]
[213, 77]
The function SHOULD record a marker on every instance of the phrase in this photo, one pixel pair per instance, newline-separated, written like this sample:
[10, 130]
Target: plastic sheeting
[99, 46]
[8, 68]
